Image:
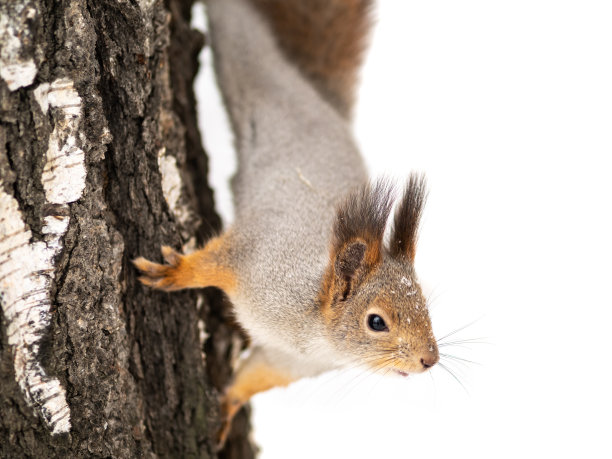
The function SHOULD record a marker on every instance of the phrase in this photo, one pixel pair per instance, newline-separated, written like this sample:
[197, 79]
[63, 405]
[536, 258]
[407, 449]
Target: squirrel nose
[429, 359]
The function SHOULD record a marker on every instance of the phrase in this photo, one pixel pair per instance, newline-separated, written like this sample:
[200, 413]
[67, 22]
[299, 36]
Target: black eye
[376, 323]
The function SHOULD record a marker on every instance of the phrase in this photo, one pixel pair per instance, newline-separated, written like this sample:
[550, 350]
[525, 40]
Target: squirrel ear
[348, 262]
[357, 238]
[363, 217]
[407, 217]
[349, 259]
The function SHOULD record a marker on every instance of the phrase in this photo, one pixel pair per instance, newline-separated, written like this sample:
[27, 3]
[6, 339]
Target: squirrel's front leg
[256, 374]
[207, 267]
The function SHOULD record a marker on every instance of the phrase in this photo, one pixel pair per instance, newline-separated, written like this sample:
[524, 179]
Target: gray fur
[296, 161]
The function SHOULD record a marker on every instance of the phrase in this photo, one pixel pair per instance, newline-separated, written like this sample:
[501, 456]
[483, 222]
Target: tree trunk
[101, 161]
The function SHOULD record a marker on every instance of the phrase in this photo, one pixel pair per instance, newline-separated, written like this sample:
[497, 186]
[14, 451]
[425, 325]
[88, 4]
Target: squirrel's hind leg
[255, 374]
[207, 267]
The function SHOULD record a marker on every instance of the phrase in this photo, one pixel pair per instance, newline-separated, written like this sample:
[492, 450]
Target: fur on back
[296, 160]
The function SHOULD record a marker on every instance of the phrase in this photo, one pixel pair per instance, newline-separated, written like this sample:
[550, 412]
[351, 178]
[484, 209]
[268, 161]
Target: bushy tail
[325, 39]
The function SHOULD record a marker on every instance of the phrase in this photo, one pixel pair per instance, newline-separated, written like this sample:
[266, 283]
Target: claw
[156, 275]
[171, 256]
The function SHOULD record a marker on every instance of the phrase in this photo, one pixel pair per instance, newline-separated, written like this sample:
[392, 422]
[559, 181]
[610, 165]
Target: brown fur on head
[370, 297]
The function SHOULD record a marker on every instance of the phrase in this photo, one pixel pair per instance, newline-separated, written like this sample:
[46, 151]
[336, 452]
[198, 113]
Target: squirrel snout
[429, 359]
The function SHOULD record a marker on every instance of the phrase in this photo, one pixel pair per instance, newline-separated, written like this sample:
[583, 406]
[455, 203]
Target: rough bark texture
[141, 370]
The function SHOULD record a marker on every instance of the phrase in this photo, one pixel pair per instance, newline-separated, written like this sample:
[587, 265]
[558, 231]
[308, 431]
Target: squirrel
[306, 266]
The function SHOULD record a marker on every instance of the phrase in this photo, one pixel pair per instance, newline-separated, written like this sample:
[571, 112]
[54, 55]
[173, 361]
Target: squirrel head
[370, 298]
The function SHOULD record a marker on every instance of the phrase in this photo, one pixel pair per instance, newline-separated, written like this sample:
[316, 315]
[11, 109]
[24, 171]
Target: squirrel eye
[376, 323]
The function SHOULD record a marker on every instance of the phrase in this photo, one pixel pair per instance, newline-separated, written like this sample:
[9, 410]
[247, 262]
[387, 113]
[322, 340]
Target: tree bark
[100, 162]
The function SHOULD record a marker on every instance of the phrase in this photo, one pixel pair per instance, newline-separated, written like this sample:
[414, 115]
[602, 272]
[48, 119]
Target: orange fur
[373, 255]
[258, 378]
[202, 268]
[248, 382]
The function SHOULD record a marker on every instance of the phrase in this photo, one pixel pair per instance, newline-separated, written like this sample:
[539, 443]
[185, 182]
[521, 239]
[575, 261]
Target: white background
[507, 107]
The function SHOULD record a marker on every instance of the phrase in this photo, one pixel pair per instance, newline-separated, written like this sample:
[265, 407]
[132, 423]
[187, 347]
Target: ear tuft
[363, 216]
[407, 217]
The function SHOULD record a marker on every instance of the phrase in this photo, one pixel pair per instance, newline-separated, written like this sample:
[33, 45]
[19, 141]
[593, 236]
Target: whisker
[357, 364]
[464, 341]
[379, 362]
[458, 359]
[432, 379]
[458, 330]
[350, 386]
[431, 299]
[364, 372]
[379, 365]
[444, 367]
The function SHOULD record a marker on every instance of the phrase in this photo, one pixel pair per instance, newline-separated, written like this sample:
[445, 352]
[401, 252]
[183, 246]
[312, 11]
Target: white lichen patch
[172, 185]
[18, 74]
[64, 174]
[26, 272]
[16, 70]
[41, 94]
[55, 224]
[27, 267]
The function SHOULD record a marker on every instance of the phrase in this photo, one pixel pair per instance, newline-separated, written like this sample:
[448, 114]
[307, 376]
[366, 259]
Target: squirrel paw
[163, 277]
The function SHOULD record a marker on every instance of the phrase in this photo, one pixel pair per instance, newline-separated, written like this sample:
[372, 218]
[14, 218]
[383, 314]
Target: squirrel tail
[326, 40]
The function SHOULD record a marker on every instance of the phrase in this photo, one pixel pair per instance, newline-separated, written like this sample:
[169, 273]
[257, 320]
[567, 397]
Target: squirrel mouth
[402, 373]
